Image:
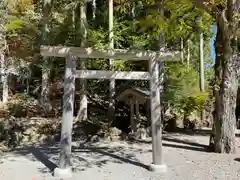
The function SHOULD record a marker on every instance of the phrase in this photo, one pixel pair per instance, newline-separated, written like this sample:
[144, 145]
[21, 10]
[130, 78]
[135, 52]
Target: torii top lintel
[60, 51]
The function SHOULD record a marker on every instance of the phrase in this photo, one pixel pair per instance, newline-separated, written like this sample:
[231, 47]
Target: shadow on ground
[198, 132]
[87, 155]
[174, 141]
[237, 159]
[83, 158]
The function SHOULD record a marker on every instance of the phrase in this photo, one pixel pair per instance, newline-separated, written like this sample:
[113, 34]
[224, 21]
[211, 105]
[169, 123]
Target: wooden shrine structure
[71, 54]
[135, 97]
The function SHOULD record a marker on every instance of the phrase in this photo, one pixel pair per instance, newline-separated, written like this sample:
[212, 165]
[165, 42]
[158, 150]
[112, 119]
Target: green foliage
[138, 30]
[187, 21]
[182, 90]
[14, 23]
[195, 102]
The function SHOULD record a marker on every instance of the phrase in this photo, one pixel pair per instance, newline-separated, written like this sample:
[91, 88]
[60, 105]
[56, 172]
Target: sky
[214, 30]
[212, 40]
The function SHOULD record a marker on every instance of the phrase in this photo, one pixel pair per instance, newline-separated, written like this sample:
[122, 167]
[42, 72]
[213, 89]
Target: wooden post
[112, 89]
[137, 120]
[64, 170]
[131, 104]
[157, 164]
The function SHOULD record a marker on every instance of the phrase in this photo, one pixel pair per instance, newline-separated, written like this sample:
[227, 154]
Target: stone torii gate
[71, 54]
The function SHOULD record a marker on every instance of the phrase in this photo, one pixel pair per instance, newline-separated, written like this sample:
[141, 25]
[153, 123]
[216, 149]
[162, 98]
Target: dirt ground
[186, 157]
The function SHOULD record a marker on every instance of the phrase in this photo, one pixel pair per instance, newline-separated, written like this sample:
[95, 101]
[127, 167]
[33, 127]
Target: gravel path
[185, 156]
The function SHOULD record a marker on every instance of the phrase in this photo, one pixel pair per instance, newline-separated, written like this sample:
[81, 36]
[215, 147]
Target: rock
[25, 139]
[34, 138]
[29, 131]
[94, 139]
[194, 117]
[141, 133]
[198, 124]
[3, 148]
[115, 138]
[168, 114]
[175, 117]
[115, 132]
[208, 122]
[124, 137]
[42, 137]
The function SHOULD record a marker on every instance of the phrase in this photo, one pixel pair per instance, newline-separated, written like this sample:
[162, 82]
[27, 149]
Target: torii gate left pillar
[65, 170]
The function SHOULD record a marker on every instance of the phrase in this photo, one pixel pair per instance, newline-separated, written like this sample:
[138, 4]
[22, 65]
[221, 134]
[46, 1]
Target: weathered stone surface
[143, 133]
[30, 131]
[94, 139]
[194, 117]
[115, 131]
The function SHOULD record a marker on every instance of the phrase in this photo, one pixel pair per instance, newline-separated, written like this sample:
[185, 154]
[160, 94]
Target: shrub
[182, 90]
[195, 102]
[21, 104]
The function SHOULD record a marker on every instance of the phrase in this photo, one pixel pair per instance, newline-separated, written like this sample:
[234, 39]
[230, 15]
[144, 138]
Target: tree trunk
[3, 47]
[182, 53]
[201, 71]
[82, 113]
[188, 53]
[112, 84]
[4, 79]
[94, 8]
[225, 90]
[45, 101]
[212, 136]
[201, 64]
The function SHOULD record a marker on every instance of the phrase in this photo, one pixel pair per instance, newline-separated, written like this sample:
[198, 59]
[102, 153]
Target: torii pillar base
[158, 168]
[62, 173]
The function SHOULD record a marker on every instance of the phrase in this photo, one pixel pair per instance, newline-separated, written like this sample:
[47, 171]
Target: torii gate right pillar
[156, 121]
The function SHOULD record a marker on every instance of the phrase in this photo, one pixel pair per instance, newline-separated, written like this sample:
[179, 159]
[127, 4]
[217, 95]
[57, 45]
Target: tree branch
[209, 7]
[200, 4]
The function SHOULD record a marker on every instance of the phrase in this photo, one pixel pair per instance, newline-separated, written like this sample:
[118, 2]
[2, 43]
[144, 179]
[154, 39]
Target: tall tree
[226, 67]
[3, 50]
[82, 114]
[45, 101]
[201, 69]
[188, 53]
[112, 90]
[181, 50]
